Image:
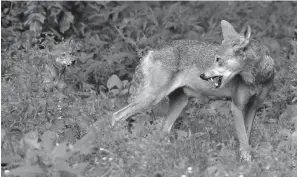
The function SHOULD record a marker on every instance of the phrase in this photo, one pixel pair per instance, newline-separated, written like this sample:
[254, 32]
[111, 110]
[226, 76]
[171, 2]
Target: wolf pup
[239, 69]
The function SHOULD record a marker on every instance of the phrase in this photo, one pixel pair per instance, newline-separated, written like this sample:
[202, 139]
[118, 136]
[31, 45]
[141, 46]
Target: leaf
[61, 165]
[79, 168]
[10, 159]
[114, 80]
[116, 57]
[84, 144]
[154, 18]
[31, 139]
[84, 57]
[170, 25]
[29, 8]
[284, 132]
[35, 17]
[265, 147]
[273, 44]
[60, 150]
[3, 133]
[35, 27]
[181, 135]
[66, 20]
[183, 163]
[26, 171]
[47, 141]
[294, 137]
[50, 73]
[294, 122]
[149, 41]
[289, 113]
[225, 152]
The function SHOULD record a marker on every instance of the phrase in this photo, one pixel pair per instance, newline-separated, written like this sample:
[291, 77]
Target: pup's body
[240, 69]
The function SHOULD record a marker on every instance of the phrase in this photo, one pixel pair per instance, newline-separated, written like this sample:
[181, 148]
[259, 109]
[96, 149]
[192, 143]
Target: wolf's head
[230, 57]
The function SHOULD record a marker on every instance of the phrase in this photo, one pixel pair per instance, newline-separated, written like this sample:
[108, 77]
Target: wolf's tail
[137, 83]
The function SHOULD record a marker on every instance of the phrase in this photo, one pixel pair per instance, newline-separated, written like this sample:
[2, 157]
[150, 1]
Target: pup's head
[230, 57]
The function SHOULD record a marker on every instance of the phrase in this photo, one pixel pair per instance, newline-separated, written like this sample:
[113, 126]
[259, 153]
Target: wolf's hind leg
[177, 102]
[155, 88]
[141, 102]
[129, 110]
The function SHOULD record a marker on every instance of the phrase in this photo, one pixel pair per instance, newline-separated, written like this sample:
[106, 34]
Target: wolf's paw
[245, 156]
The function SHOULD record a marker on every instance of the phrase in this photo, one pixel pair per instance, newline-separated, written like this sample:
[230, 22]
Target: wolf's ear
[246, 31]
[244, 35]
[228, 30]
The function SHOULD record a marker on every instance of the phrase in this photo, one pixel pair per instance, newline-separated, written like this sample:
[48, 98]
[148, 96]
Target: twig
[126, 39]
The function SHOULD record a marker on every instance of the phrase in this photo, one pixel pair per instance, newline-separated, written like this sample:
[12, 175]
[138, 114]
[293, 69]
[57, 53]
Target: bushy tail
[137, 83]
[138, 80]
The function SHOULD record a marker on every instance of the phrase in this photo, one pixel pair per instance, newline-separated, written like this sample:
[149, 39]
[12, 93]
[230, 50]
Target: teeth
[211, 79]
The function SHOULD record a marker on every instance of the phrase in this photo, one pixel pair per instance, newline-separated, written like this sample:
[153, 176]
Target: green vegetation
[67, 66]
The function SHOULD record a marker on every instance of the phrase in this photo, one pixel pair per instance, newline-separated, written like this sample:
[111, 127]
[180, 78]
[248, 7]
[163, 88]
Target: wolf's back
[173, 56]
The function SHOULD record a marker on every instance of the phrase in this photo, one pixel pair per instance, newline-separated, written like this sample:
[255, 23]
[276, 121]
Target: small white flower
[183, 175]
[104, 158]
[71, 146]
[189, 168]
[267, 167]
[110, 159]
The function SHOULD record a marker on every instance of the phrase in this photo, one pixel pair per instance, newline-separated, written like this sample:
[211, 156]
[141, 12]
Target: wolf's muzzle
[202, 76]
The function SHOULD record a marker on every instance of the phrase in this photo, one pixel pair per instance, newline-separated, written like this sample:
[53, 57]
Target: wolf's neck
[256, 51]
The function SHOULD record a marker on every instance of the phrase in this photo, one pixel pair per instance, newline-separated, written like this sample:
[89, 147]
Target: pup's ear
[245, 35]
[228, 30]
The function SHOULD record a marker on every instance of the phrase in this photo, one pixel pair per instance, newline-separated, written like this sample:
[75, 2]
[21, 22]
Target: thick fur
[183, 69]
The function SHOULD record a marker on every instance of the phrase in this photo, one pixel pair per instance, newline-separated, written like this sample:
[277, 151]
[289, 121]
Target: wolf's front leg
[240, 98]
[241, 132]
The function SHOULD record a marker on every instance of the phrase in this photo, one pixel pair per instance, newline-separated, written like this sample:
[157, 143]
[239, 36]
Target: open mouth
[217, 80]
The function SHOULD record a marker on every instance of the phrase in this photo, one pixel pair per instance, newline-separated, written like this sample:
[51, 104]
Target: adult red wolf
[240, 69]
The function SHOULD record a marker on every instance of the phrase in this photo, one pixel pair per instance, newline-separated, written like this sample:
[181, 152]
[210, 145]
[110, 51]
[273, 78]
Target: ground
[67, 66]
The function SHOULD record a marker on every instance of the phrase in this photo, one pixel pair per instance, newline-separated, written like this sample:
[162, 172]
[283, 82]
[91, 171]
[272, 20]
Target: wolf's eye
[218, 59]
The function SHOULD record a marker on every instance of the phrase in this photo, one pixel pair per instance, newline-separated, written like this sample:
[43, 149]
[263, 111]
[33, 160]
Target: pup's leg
[177, 102]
